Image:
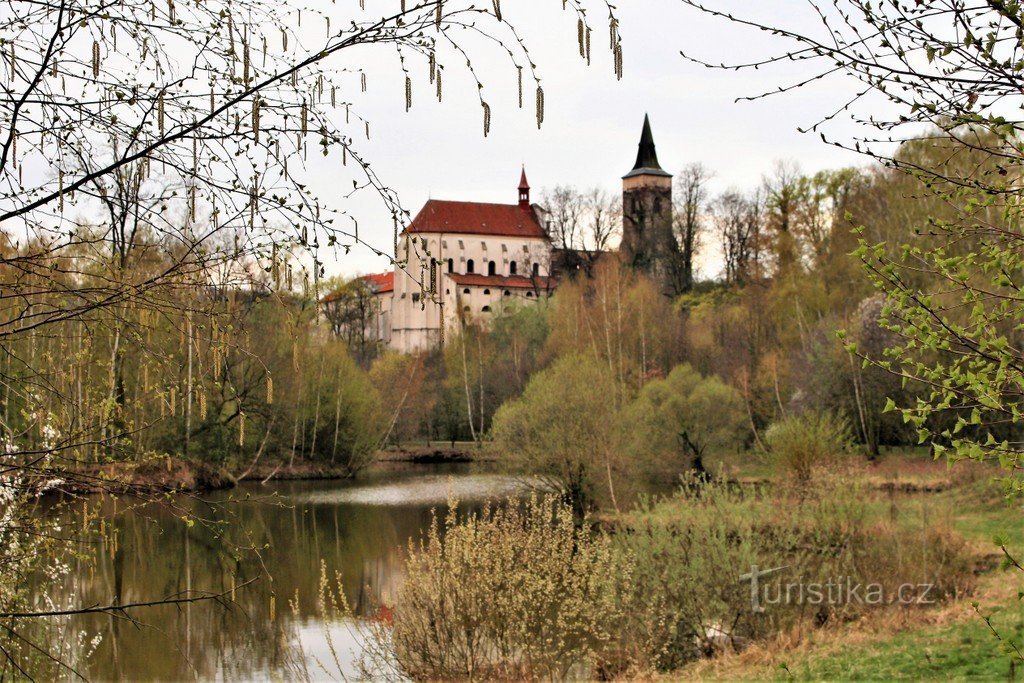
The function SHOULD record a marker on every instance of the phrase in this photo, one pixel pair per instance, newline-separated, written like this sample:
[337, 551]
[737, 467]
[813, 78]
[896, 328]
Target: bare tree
[691, 204]
[582, 225]
[738, 221]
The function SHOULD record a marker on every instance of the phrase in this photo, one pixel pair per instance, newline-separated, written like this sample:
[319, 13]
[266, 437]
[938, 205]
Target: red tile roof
[381, 283]
[473, 218]
[502, 282]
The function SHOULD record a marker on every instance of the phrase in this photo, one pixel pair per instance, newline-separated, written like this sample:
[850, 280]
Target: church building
[459, 261]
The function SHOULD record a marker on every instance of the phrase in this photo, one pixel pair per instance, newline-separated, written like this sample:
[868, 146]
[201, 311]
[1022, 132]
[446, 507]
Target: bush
[563, 429]
[514, 592]
[688, 553]
[676, 421]
[801, 444]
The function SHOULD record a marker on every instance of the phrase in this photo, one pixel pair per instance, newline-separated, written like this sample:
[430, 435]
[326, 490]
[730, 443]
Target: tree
[562, 429]
[690, 216]
[676, 421]
[952, 288]
[582, 225]
[738, 222]
[181, 129]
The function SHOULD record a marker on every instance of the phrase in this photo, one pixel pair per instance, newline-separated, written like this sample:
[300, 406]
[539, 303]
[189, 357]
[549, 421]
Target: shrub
[688, 553]
[563, 430]
[801, 444]
[513, 592]
[675, 421]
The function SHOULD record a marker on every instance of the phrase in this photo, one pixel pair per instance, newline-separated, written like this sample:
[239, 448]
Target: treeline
[785, 326]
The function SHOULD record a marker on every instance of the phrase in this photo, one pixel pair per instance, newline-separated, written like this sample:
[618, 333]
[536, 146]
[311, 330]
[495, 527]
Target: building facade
[463, 261]
[460, 261]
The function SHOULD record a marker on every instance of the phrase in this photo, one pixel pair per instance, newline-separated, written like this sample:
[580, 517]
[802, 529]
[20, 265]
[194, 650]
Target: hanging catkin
[437, 16]
[362, 81]
[284, 39]
[14, 62]
[245, 62]
[580, 36]
[160, 112]
[519, 73]
[304, 117]
[256, 118]
[95, 59]
[270, 390]
[174, 401]
[366, 124]
[439, 72]
[487, 118]
[408, 93]
[432, 65]
[540, 106]
[241, 429]
[202, 405]
[497, 9]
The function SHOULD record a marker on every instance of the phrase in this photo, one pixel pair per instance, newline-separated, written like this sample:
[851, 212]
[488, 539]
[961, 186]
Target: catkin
[245, 63]
[487, 118]
[497, 9]
[439, 85]
[270, 390]
[256, 118]
[241, 429]
[362, 81]
[160, 112]
[437, 15]
[95, 59]
[540, 106]
[519, 73]
[202, 405]
[408, 93]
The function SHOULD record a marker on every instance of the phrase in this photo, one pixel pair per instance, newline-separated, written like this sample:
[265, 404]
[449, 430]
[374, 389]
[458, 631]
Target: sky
[592, 121]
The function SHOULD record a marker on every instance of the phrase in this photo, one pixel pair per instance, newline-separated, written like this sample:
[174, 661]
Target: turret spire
[647, 157]
[524, 191]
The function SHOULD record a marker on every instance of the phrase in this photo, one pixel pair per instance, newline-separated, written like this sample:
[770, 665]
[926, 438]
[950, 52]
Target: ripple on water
[424, 490]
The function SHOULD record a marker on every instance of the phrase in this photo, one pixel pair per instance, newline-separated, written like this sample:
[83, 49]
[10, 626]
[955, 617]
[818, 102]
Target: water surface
[279, 534]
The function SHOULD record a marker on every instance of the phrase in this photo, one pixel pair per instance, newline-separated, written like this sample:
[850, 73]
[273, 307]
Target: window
[536, 269]
[415, 297]
[447, 291]
[461, 245]
[444, 244]
[529, 295]
[492, 268]
[466, 309]
[506, 293]
[512, 268]
[486, 309]
[469, 266]
[487, 292]
[466, 290]
[451, 265]
[483, 245]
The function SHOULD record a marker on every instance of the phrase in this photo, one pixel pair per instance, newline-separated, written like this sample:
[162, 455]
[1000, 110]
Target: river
[277, 535]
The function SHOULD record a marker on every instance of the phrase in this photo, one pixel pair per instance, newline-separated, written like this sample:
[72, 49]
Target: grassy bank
[948, 640]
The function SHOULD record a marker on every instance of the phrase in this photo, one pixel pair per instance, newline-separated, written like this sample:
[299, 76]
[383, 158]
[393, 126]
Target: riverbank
[167, 474]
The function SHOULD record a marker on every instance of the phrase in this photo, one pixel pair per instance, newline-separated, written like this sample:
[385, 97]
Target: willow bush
[512, 592]
[689, 553]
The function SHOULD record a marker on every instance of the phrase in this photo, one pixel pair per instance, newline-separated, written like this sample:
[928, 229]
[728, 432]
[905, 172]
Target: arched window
[492, 267]
[469, 266]
[536, 269]
[487, 291]
[466, 290]
[512, 268]
[529, 295]
[486, 309]
[451, 265]
[466, 309]
[506, 293]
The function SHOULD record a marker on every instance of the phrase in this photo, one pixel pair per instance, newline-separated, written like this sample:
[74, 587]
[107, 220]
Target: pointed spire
[647, 157]
[524, 191]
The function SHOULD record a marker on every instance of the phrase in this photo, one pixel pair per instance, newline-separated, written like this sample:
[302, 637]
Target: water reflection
[276, 534]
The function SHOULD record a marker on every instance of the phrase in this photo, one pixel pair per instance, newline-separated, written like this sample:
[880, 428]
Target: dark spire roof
[523, 185]
[647, 157]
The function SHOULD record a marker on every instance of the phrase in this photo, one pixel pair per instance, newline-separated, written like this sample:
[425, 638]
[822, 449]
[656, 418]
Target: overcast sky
[592, 123]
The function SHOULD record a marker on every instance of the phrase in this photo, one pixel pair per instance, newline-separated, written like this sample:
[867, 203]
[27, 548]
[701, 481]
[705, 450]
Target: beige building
[465, 260]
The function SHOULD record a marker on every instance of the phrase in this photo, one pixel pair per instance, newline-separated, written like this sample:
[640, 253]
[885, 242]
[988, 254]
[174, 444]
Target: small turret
[524, 192]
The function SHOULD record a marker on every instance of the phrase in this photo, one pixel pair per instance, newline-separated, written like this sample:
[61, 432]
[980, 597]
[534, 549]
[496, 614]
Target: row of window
[492, 267]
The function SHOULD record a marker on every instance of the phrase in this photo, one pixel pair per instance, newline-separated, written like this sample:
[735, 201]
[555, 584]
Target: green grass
[965, 650]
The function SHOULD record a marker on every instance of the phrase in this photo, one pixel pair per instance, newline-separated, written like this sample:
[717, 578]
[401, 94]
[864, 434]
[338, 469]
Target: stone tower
[648, 243]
